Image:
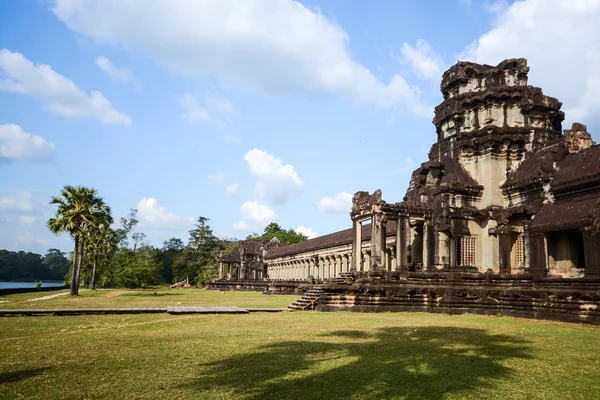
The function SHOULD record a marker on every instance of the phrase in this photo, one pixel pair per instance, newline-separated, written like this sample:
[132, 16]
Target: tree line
[26, 266]
[112, 255]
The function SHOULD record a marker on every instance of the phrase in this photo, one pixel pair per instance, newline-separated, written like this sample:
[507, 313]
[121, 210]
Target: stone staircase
[345, 278]
[308, 300]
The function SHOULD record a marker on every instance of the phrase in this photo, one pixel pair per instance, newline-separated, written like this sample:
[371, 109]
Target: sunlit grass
[154, 297]
[300, 355]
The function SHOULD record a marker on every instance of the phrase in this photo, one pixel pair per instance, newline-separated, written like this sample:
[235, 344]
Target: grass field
[300, 355]
[156, 297]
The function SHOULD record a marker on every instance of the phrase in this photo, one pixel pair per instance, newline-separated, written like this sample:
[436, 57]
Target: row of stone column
[381, 258]
[320, 267]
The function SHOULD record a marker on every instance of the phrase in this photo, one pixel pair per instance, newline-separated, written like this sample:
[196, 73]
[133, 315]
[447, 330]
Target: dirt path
[52, 296]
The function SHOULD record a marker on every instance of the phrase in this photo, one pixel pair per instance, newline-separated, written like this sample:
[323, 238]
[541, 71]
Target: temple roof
[333, 239]
[538, 167]
[565, 215]
[578, 168]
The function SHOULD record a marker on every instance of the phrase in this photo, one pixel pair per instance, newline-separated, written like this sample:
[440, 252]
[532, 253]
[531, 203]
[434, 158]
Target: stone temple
[504, 217]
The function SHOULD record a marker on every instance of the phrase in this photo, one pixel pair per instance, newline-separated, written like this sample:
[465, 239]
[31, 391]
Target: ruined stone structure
[504, 217]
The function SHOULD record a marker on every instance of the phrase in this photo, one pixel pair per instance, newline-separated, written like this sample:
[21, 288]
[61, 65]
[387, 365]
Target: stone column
[376, 248]
[427, 246]
[504, 247]
[230, 273]
[591, 252]
[538, 265]
[221, 270]
[356, 246]
[401, 254]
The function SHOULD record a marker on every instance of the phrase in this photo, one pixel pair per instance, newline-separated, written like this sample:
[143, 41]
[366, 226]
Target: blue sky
[248, 111]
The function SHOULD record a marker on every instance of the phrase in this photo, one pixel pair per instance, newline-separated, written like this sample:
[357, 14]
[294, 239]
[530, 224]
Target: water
[14, 285]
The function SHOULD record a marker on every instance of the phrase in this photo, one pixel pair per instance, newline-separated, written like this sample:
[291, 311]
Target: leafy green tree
[78, 209]
[127, 224]
[138, 238]
[57, 263]
[102, 243]
[171, 249]
[137, 269]
[274, 230]
[199, 258]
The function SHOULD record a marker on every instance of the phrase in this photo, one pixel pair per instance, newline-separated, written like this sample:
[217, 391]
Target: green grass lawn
[299, 355]
[155, 297]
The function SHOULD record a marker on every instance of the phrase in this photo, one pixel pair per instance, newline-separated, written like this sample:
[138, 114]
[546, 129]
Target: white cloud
[117, 74]
[154, 216]
[59, 94]
[20, 201]
[308, 232]
[495, 6]
[214, 111]
[18, 144]
[27, 220]
[243, 226]
[233, 189]
[340, 203]
[216, 177]
[423, 60]
[279, 48]
[276, 182]
[563, 53]
[258, 212]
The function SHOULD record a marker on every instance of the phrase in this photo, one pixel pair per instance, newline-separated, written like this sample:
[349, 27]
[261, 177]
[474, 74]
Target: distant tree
[198, 260]
[138, 238]
[78, 209]
[274, 230]
[102, 243]
[171, 249]
[57, 263]
[127, 224]
[22, 266]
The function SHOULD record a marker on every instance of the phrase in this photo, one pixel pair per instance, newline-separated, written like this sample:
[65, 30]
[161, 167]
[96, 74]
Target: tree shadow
[16, 376]
[412, 363]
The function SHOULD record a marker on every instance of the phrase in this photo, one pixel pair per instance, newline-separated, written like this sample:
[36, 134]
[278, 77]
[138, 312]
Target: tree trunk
[93, 287]
[74, 271]
[79, 263]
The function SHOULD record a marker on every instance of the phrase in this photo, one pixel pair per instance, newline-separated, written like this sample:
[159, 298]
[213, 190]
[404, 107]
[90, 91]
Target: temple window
[466, 251]
[519, 252]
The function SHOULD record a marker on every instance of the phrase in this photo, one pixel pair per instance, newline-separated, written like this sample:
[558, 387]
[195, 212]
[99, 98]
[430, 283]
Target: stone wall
[575, 300]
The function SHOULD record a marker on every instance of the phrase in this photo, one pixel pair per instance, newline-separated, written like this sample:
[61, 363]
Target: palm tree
[102, 243]
[78, 209]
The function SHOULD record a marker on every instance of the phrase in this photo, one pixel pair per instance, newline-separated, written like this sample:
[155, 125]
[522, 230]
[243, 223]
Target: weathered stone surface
[504, 216]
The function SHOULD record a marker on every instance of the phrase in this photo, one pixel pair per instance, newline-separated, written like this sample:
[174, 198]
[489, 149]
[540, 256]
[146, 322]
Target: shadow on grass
[16, 376]
[411, 363]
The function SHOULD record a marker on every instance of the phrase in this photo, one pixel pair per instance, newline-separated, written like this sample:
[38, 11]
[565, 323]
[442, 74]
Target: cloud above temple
[212, 110]
[423, 60]
[16, 144]
[338, 204]
[277, 48]
[308, 232]
[257, 212]
[59, 94]
[117, 74]
[276, 182]
[559, 39]
[154, 216]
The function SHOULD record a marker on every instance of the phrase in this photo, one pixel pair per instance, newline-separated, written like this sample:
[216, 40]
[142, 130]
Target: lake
[14, 285]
